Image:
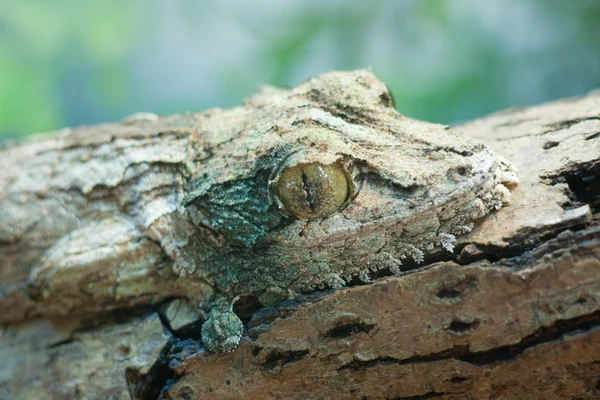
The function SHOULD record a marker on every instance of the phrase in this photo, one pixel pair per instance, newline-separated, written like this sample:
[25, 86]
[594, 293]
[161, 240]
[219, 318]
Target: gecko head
[332, 176]
[350, 180]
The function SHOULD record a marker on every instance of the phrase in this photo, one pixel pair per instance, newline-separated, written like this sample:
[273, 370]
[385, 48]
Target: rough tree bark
[515, 313]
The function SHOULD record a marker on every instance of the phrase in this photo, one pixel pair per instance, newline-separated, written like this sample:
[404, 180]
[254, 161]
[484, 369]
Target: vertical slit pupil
[306, 187]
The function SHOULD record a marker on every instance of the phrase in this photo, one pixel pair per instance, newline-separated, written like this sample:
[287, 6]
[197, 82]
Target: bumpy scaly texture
[222, 330]
[200, 206]
[420, 186]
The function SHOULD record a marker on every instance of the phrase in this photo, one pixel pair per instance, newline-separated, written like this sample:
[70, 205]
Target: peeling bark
[514, 313]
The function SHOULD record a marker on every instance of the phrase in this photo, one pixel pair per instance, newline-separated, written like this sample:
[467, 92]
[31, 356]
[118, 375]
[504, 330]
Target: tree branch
[515, 313]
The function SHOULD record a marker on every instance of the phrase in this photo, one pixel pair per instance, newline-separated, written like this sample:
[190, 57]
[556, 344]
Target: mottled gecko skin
[218, 211]
[418, 186]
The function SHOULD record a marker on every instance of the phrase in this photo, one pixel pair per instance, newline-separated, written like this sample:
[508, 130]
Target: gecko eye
[313, 191]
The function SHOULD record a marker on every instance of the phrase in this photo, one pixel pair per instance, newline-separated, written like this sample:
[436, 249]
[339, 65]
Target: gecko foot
[222, 330]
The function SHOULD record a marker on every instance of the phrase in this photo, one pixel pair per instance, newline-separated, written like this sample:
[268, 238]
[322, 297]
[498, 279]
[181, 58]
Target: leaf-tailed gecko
[295, 190]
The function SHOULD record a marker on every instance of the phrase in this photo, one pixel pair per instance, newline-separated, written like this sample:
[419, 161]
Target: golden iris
[313, 191]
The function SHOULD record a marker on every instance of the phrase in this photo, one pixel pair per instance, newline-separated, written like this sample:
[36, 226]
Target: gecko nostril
[458, 173]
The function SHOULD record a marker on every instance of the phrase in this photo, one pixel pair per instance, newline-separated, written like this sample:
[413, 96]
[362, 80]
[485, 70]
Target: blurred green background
[68, 62]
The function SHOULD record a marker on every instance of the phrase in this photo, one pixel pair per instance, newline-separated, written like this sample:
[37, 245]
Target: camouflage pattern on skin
[209, 215]
[419, 186]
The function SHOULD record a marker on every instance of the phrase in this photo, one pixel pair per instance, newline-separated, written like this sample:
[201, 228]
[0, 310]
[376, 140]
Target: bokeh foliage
[64, 62]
